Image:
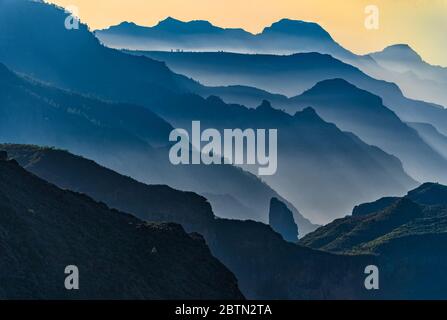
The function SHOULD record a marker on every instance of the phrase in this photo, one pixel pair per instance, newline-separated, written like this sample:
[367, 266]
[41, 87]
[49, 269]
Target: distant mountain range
[75, 60]
[432, 137]
[317, 160]
[293, 75]
[363, 113]
[45, 229]
[414, 76]
[285, 36]
[345, 139]
[130, 79]
[398, 63]
[127, 138]
[304, 71]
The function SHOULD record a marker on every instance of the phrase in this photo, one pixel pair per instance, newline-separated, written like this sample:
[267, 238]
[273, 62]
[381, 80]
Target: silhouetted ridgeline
[409, 237]
[44, 229]
[266, 266]
[127, 138]
[252, 250]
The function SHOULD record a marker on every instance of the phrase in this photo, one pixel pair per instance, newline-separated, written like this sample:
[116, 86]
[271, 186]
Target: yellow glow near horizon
[420, 23]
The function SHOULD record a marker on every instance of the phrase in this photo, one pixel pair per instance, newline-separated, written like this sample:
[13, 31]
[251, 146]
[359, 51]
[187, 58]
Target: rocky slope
[266, 266]
[43, 229]
[408, 238]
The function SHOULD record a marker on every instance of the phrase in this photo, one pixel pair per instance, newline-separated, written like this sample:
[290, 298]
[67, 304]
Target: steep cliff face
[43, 229]
[281, 220]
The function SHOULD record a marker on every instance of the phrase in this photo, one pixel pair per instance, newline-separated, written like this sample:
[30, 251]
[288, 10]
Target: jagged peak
[308, 113]
[265, 105]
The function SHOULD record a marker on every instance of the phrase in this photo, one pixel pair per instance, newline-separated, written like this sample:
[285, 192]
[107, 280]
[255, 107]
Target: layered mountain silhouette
[118, 108]
[148, 202]
[45, 229]
[127, 138]
[285, 36]
[431, 136]
[293, 75]
[363, 113]
[334, 163]
[75, 59]
[397, 63]
[266, 266]
[414, 76]
[321, 169]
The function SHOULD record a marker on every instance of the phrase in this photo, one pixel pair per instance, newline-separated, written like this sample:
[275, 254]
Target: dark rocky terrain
[266, 266]
[43, 229]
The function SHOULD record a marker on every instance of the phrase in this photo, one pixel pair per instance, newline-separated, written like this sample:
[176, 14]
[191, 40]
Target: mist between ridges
[228, 146]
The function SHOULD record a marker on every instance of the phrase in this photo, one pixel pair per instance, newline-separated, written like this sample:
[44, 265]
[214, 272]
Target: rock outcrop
[282, 221]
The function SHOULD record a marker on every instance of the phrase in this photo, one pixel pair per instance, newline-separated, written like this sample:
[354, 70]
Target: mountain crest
[298, 28]
[429, 194]
[308, 113]
[402, 52]
[343, 90]
[174, 25]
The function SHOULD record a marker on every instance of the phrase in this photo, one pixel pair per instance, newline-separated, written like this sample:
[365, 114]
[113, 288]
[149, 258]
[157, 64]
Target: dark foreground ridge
[266, 266]
[43, 229]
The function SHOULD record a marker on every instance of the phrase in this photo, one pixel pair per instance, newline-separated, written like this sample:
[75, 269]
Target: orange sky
[420, 23]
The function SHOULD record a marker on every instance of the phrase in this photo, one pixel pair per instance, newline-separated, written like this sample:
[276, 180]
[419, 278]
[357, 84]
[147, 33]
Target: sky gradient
[420, 23]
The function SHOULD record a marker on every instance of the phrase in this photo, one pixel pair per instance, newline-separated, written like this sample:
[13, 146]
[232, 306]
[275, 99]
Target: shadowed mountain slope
[348, 169]
[397, 63]
[252, 250]
[126, 138]
[364, 114]
[74, 59]
[416, 77]
[421, 212]
[432, 137]
[408, 238]
[44, 229]
[293, 75]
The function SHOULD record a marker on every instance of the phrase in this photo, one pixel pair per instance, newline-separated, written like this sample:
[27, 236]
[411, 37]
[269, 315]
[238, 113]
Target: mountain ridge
[44, 229]
[126, 138]
[228, 239]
